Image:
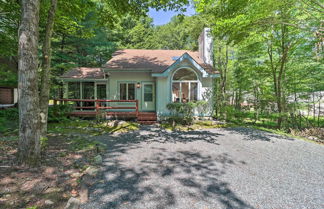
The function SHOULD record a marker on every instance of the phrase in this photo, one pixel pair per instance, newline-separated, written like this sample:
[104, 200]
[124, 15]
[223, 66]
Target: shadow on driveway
[138, 174]
[255, 134]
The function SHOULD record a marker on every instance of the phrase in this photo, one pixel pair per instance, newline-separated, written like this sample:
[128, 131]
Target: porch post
[95, 90]
[81, 94]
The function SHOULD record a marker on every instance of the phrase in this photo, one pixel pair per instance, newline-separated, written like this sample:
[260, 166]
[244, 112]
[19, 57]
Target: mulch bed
[48, 186]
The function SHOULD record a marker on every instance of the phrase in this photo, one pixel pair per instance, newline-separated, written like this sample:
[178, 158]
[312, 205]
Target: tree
[29, 113]
[29, 127]
[45, 69]
[278, 28]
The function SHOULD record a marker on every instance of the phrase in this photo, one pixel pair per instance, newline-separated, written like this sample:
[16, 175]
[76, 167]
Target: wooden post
[97, 106]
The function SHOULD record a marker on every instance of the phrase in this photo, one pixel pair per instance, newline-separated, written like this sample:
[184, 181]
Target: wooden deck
[102, 107]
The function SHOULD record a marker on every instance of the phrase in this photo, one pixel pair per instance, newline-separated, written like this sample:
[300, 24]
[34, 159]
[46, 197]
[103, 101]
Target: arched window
[184, 75]
[184, 86]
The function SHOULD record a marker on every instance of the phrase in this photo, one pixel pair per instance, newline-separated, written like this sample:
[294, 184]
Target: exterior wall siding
[116, 78]
[6, 96]
[162, 90]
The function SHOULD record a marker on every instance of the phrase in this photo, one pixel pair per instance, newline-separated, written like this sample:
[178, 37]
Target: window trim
[127, 83]
[197, 81]
[152, 92]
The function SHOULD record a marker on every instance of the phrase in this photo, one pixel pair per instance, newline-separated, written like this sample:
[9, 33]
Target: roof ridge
[187, 50]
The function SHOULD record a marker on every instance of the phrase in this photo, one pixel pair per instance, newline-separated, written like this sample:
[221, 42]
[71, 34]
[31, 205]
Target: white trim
[197, 81]
[126, 82]
[176, 64]
[82, 80]
[136, 70]
[153, 83]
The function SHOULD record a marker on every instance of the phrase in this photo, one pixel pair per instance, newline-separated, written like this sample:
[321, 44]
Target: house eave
[185, 56]
[161, 75]
[144, 70]
[83, 79]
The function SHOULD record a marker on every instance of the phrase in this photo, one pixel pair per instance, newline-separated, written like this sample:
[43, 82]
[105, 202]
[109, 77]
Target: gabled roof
[185, 57]
[84, 72]
[155, 60]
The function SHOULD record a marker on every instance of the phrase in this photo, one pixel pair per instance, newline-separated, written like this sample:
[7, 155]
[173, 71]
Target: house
[8, 96]
[152, 77]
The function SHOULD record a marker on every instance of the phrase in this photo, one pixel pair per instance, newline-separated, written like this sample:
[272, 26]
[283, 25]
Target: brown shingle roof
[155, 60]
[84, 72]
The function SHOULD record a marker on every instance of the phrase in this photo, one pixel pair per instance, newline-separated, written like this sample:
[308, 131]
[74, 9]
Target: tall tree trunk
[29, 130]
[45, 73]
[222, 66]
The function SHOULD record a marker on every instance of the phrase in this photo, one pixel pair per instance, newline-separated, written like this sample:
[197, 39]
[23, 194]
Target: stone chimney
[206, 46]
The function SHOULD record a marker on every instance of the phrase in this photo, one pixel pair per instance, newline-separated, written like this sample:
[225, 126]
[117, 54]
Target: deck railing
[98, 104]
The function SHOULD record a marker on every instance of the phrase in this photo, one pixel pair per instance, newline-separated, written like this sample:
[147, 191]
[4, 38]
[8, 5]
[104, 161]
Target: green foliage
[43, 142]
[269, 55]
[9, 121]
[196, 125]
[183, 113]
[8, 76]
[181, 32]
[91, 127]
[59, 113]
[10, 114]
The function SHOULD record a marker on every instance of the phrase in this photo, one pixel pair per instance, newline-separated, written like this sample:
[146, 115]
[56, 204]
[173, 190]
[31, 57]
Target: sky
[161, 17]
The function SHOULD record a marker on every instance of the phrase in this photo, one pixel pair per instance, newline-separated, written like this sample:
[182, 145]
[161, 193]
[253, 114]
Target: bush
[10, 114]
[59, 113]
[183, 113]
[9, 119]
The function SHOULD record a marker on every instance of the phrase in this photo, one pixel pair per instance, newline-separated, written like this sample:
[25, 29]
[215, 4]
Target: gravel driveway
[216, 168]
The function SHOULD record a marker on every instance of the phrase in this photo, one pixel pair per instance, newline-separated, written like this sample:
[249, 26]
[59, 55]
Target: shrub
[8, 119]
[58, 113]
[183, 113]
[10, 113]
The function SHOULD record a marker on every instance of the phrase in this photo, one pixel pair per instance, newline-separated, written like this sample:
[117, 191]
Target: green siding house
[152, 77]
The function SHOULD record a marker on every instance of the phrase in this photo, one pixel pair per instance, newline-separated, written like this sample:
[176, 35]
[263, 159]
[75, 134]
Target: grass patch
[197, 125]
[83, 144]
[123, 127]
[91, 127]
[280, 132]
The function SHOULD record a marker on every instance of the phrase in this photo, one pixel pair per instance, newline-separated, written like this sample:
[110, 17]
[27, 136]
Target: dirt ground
[49, 186]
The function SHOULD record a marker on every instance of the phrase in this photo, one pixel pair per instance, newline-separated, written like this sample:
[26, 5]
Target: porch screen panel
[101, 91]
[88, 90]
[74, 90]
[176, 92]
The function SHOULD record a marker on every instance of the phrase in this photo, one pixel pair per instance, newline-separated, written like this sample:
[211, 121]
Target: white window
[184, 86]
[127, 91]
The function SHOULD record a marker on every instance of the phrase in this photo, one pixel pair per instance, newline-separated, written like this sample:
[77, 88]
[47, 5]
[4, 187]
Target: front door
[148, 96]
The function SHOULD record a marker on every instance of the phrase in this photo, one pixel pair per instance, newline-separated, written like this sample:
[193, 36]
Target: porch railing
[98, 104]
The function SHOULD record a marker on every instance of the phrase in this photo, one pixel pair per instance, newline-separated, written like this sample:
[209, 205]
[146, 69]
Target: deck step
[147, 122]
[147, 118]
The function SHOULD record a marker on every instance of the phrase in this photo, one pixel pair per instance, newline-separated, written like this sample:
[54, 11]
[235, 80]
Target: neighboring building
[153, 77]
[8, 95]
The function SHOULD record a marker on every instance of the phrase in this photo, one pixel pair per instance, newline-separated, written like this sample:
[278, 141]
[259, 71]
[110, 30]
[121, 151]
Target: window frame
[127, 95]
[152, 92]
[189, 82]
